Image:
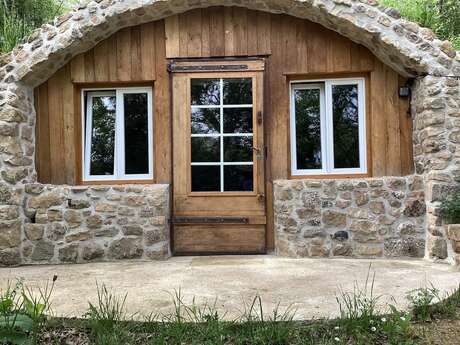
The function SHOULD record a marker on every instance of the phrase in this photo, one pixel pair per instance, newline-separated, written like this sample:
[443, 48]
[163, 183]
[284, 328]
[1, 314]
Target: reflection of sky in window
[350, 110]
[109, 102]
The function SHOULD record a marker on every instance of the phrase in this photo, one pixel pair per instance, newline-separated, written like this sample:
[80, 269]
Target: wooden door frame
[255, 69]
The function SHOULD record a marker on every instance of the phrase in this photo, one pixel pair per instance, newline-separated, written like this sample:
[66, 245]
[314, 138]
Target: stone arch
[410, 50]
[401, 44]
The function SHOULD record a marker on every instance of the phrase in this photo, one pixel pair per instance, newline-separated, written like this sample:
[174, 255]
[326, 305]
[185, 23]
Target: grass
[442, 16]
[364, 320]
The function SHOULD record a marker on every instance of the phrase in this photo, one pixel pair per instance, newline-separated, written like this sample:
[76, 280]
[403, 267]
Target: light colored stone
[34, 232]
[46, 200]
[10, 234]
[453, 232]
[334, 219]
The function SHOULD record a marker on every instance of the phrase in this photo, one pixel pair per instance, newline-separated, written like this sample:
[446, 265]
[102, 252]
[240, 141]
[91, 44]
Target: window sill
[330, 176]
[116, 182]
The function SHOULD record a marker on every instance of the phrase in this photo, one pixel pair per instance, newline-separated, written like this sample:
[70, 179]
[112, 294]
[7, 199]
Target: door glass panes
[237, 91]
[238, 120]
[222, 141]
[205, 121]
[206, 91]
[308, 128]
[205, 178]
[238, 149]
[102, 157]
[345, 109]
[238, 178]
[136, 133]
[205, 149]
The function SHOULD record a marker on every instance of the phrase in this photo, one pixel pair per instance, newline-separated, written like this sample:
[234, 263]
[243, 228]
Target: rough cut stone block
[43, 251]
[126, 248]
[34, 232]
[453, 232]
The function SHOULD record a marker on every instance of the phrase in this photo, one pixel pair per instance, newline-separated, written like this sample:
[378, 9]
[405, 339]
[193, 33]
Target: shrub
[450, 209]
[22, 312]
[18, 18]
[442, 16]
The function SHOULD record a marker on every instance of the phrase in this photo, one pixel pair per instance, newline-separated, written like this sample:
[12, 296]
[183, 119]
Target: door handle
[261, 197]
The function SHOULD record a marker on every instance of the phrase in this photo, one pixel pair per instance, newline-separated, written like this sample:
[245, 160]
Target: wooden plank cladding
[293, 49]
[127, 56]
[218, 32]
[219, 238]
[131, 57]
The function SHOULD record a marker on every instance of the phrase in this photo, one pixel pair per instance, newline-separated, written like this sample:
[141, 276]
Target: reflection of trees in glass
[205, 149]
[136, 134]
[103, 135]
[238, 149]
[205, 92]
[237, 91]
[238, 178]
[238, 120]
[206, 178]
[308, 128]
[346, 126]
[205, 121]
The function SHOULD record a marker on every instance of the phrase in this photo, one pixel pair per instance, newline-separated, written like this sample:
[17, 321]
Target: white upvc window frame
[119, 150]
[327, 130]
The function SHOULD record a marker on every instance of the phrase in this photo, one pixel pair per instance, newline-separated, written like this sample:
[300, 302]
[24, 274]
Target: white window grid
[119, 150]
[221, 135]
[326, 123]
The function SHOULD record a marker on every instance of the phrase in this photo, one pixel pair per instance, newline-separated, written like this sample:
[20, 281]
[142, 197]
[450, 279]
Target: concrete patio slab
[309, 285]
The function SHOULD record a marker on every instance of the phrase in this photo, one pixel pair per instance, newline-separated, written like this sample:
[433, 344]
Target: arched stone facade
[407, 48]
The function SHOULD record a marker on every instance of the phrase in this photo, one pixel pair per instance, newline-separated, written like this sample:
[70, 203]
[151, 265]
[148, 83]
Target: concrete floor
[309, 285]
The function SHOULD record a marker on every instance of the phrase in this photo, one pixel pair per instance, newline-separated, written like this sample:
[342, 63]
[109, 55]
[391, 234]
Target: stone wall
[436, 114]
[406, 47]
[380, 217]
[62, 224]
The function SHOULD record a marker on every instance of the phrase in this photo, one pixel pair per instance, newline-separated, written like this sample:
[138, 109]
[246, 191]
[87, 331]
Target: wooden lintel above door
[221, 65]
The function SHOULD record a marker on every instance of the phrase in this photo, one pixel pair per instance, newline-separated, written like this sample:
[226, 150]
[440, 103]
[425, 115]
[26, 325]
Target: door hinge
[259, 118]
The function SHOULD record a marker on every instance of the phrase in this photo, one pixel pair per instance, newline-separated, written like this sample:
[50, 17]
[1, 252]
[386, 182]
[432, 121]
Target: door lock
[261, 197]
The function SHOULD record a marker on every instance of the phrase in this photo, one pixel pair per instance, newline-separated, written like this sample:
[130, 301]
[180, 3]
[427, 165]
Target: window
[328, 127]
[222, 158]
[117, 135]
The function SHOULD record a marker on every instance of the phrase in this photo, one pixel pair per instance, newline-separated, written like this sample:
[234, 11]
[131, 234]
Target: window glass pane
[346, 126]
[136, 133]
[308, 128]
[205, 149]
[205, 91]
[206, 178]
[238, 149]
[205, 121]
[103, 135]
[237, 91]
[237, 120]
[238, 178]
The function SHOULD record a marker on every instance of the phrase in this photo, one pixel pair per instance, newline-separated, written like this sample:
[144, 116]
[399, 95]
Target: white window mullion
[362, 126]
[329, 124]
[119, 137]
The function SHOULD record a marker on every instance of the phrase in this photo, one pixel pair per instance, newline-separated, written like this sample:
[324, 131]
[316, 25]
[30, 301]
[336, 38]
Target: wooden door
[218, 162]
